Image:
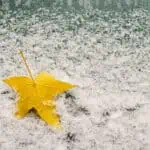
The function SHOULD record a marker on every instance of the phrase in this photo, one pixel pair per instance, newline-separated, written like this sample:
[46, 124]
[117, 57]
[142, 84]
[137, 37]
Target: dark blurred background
[117, 5]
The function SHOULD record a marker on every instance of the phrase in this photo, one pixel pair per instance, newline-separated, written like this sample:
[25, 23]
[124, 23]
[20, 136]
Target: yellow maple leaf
[38, 93]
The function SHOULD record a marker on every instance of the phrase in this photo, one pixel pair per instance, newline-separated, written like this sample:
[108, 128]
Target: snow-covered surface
[106, 54]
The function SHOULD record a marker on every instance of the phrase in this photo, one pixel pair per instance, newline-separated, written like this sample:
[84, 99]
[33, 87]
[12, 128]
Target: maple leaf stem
[27, 66]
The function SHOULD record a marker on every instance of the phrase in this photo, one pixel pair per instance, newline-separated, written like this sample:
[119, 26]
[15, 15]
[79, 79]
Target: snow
[105, 53]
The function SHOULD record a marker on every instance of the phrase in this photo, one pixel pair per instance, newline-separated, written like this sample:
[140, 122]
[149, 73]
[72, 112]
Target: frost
[106, 53]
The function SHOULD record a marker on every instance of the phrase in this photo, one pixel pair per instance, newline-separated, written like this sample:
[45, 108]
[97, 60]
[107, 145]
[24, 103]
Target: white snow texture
[106, 54]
